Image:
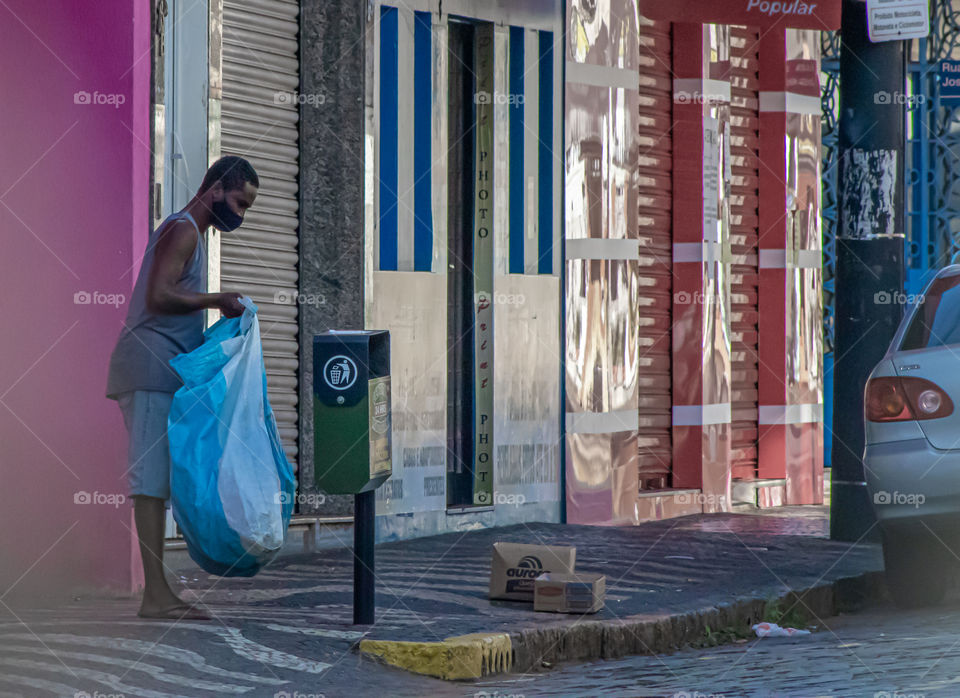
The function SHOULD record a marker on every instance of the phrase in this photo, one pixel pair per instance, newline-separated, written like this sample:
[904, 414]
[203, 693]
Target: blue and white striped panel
[532, 161]
[408, 186]
[405, 197]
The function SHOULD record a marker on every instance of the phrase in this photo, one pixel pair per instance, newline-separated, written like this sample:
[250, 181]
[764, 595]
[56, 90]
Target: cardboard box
[516, 565]
[569, 593]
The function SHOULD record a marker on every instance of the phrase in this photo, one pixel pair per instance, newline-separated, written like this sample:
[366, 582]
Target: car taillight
[897, 399]
[886, 401]
[927, 399]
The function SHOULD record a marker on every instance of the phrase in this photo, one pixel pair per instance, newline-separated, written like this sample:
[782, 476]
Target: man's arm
[173, 250]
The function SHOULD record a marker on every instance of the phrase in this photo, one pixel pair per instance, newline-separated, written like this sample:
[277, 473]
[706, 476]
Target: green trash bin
[351, 410]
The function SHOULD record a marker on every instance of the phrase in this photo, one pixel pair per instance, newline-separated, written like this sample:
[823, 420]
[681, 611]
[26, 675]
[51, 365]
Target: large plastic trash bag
[231, 484]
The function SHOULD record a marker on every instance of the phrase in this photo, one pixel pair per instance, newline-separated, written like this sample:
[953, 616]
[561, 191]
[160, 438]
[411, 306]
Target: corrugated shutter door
[656, 256]
[260, 62]
[744, 228]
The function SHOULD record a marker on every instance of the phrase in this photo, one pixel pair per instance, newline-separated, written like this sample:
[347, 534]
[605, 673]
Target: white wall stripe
[559, 138]
[602, 422]
[773, 259]
[372, 148]
[706, 251]
[501, 151]
[700, 90]
[790, 102]
[602, 248]
[438, 171]
[809, 259]
[791, 414]
[745, 259]
[698, 415]
[531, 150]
[405, 116]
[601, 76]
[803, 259]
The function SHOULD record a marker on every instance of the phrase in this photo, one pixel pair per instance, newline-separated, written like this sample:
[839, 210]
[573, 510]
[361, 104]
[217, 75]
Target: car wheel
[917, 571]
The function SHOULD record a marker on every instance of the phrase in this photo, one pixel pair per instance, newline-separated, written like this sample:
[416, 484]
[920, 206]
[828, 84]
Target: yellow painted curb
[460, 657]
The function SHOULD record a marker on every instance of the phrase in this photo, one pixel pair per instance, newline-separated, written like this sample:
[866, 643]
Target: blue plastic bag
[231, 484]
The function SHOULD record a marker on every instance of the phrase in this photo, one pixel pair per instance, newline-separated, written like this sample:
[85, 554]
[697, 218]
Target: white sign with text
[896, 20]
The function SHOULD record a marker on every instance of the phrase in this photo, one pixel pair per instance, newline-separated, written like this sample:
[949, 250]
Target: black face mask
[223, 217]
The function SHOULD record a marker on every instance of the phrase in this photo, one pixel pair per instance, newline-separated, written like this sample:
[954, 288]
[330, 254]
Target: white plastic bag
[231, 484]
[773, 630]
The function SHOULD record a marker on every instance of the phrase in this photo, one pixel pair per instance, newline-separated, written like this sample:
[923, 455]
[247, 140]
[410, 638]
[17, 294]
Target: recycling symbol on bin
[340, 372]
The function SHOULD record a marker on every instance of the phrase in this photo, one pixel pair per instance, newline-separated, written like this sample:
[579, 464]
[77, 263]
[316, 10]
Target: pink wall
[73, 210]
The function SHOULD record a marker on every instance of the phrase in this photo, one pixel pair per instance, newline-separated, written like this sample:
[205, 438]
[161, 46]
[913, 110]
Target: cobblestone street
[883, 653]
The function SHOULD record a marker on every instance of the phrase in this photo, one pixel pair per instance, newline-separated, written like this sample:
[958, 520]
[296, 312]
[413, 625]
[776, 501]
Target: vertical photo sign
[483, 268]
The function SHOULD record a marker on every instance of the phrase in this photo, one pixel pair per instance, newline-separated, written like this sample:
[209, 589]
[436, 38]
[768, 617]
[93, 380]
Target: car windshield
[937, 320]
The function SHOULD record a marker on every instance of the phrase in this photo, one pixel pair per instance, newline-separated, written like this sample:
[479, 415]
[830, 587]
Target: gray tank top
[148, 341]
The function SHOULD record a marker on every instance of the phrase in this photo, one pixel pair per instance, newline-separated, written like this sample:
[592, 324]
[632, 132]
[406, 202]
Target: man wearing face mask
[165, 318]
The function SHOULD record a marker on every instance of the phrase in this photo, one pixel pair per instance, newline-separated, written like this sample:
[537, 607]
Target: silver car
[912, 453]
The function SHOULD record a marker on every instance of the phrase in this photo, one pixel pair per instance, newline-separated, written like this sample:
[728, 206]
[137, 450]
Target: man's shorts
[148, 456]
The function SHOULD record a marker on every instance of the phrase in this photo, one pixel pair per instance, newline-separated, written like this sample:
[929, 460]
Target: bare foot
[168, 606]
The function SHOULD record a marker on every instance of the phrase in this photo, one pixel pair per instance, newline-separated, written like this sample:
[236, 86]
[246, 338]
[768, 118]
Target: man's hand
[229, 304]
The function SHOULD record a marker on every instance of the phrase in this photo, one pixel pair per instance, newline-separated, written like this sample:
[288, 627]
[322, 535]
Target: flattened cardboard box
[516, 565]
[569, 593]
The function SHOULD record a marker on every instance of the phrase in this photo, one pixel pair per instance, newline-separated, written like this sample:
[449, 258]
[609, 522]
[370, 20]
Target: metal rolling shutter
[744, 227]
[656, 257]
[260, 61]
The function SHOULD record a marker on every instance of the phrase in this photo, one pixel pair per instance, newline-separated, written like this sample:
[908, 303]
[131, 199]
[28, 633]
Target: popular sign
[798, 14]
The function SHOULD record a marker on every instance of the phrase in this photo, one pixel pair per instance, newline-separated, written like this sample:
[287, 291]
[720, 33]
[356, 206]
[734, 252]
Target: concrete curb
[461, 657]
[536, 648]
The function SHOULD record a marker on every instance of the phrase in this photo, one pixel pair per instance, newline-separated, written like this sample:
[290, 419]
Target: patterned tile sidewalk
[290, 626]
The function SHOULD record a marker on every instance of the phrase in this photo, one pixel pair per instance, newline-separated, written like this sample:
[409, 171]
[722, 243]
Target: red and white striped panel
[790, 397]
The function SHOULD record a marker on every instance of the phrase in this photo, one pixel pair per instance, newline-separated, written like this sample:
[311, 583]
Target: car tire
[917, 571]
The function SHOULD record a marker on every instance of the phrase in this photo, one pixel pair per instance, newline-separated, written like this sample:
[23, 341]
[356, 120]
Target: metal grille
[259, 122]
[932, 197]
[830, 114]
[744, 230]
[655, 301]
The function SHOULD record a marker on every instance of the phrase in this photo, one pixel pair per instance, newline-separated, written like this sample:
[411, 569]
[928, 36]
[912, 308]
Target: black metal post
[364, 530]
[869, 274]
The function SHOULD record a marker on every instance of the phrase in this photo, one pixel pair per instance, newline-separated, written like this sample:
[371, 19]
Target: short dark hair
[233, 171]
